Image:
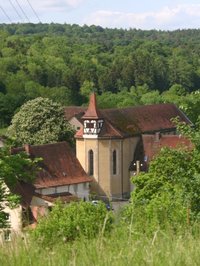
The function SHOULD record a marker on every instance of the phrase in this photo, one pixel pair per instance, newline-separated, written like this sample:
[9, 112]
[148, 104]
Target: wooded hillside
[65, 62]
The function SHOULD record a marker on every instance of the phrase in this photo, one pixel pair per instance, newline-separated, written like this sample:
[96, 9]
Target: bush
[168, 195]
[68, 222]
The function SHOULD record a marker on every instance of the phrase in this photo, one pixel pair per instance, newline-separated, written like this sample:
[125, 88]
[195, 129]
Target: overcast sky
[143, 14]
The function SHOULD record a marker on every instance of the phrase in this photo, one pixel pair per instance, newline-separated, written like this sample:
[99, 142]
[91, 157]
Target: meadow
[120, 247]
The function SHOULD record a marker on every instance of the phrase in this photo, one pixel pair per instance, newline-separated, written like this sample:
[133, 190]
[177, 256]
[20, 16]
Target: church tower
[92, 120]
[102, 150]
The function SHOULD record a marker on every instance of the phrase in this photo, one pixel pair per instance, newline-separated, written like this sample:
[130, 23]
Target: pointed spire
[92, 111]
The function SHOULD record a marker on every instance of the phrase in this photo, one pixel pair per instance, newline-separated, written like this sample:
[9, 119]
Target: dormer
[92, 120]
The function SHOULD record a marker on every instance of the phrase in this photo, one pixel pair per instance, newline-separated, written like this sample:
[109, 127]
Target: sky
[139, 14]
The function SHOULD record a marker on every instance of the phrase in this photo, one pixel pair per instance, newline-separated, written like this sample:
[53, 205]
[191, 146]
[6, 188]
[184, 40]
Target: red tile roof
[131, 121]
[152, 144]
[74, 111]
[92, 111]
[59, 166]
[125, 122]
[146, 118]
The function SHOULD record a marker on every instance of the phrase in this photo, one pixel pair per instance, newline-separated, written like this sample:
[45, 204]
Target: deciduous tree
[40, 121]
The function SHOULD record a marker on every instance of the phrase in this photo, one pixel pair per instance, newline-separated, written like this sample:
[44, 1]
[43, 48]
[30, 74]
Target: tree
[168, 195]
[8, 104]
[13, 169]
[40, 121]
[86, 89]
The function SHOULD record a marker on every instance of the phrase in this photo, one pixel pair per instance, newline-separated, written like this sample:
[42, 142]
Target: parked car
[108, 206]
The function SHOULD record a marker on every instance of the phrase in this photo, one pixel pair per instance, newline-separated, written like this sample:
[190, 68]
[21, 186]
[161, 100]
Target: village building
[14, 214]
[109, 141]
[150, 145]
[61, 176]
[73, 114]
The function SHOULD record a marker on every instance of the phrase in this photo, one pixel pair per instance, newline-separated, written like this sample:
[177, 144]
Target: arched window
[91, 162]
[114, 162]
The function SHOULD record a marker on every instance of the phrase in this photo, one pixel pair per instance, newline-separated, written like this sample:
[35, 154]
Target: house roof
[59, 166]
[25, 191]
[125, 122]
[152, 144]
[146, 118]
[74, 111]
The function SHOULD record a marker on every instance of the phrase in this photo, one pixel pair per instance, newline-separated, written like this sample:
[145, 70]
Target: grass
[120, 248]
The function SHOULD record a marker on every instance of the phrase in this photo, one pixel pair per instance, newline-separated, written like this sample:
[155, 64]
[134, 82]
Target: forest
[125, 67]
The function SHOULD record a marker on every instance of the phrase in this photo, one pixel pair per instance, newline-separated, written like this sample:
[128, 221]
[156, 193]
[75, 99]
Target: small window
[114, 159]
[91, 162]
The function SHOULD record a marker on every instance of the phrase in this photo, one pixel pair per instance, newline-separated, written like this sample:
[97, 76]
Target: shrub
[168, 195]
[68, 222]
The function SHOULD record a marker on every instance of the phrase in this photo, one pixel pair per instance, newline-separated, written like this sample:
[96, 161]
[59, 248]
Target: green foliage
[192, 133]
[40, 121]
[17, 167]
[13, 168]
[68, 222]
[8, 105]
[168, 195]
[65, 62]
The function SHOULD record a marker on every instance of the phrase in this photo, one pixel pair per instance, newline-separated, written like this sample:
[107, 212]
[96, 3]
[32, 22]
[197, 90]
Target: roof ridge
[48, 144]
[113, 127]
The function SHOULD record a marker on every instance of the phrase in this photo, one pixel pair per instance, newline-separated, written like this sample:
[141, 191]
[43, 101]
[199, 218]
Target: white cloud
[181, 16]
[56, 5]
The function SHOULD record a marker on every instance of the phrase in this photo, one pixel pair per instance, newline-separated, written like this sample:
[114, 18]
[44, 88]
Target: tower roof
[92, 111]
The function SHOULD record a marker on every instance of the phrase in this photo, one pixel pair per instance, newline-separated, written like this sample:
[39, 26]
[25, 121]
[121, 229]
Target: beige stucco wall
[114, 186]
[15, 222]
[81, 190]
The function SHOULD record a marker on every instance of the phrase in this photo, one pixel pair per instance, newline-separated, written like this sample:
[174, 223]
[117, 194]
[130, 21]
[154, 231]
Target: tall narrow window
[114, 162]
[91, 162]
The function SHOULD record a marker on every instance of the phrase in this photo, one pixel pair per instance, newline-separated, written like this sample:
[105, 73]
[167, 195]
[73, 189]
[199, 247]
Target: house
[14, 214]
[73, 115]
[61, 177]
[107, 142]
[150, 145]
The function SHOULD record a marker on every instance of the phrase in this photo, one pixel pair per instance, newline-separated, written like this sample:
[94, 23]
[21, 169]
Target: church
[113, 144]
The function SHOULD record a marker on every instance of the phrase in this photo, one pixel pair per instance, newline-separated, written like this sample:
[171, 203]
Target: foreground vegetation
[122, 247]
